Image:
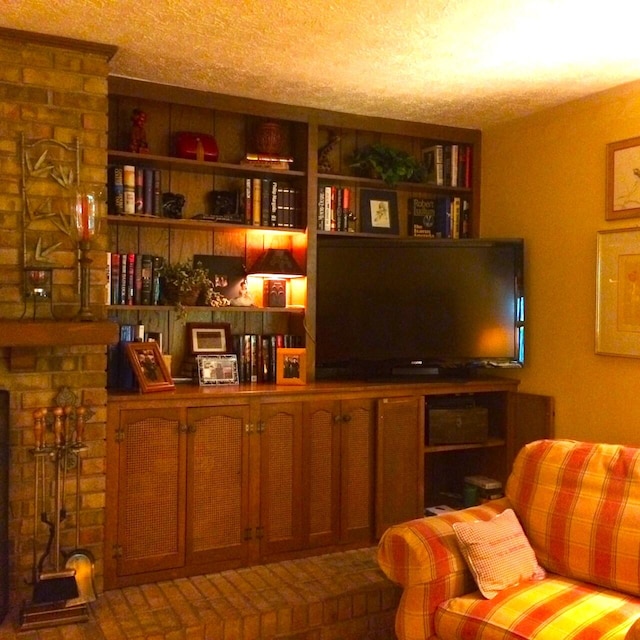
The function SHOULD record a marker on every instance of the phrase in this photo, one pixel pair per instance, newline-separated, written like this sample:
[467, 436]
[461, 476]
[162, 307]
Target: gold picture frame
[291, 366]
[623, 179]
[149, 367]
[618, 293]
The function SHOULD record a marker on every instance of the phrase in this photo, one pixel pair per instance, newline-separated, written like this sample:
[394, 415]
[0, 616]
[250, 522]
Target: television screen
[404, 305]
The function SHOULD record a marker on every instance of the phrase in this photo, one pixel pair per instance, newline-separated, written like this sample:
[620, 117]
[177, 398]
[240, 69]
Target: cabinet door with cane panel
[217, 484]
[151, 490]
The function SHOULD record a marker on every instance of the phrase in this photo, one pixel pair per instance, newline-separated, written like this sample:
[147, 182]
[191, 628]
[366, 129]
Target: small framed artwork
[618, 293]
[291, 366]
[220, 369]
[149, 367]
[208, 337]
[623, 179]
[379, 211]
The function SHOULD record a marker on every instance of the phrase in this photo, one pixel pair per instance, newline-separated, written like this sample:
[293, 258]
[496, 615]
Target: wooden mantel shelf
[55, 333]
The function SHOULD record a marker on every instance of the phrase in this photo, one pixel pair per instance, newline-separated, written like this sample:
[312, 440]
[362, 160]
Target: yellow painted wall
[544, 180]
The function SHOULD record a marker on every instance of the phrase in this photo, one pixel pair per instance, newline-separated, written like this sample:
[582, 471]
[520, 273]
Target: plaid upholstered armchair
[557, 558]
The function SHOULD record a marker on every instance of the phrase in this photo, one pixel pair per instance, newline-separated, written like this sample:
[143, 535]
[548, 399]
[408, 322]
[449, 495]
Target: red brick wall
[51, 89]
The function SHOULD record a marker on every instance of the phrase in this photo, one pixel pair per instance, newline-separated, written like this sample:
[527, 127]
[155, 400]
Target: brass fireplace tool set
[60, 591]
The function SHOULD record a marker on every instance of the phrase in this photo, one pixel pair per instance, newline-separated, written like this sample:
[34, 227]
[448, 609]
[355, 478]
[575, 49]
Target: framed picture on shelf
[209, 337]
[623, 179]
[149, 367]
[618, 300]
[379, 211]
[291, 366]
[218, 369]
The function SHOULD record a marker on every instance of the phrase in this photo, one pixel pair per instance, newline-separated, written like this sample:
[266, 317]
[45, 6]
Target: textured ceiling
[458, 62]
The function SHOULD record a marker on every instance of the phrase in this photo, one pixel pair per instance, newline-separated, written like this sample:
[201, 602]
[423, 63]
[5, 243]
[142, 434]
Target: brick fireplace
[56, 89]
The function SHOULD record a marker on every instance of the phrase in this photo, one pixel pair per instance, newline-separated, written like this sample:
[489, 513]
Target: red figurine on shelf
[138, 142]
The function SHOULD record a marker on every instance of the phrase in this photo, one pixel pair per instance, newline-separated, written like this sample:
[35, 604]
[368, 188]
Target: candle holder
[86, 215]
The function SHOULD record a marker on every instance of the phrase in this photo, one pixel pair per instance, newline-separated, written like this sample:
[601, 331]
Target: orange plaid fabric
[579, 505]
[423, 556]
[552, 609]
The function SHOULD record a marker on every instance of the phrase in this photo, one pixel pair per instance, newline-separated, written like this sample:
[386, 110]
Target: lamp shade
[276, 263]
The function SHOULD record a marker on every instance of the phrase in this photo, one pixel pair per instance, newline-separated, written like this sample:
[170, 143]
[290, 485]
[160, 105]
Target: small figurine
[138, 142]
[324, 163]
[172, 204]
[243, 299]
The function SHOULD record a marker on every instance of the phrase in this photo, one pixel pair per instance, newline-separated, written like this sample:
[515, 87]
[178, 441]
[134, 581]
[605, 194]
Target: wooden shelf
[198, 166]
[492, 442]
[160, 307]
[191, 223]
[380, 184]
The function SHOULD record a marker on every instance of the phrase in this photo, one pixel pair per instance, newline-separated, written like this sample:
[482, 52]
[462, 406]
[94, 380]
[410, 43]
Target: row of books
[335, 209]
[272, 203]
[257, 354]
[448, 165]
[133, 278]
[441, 217]
[135, 190]
[119, 370]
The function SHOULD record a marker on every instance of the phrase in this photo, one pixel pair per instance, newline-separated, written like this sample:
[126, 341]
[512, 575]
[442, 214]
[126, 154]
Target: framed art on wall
[623, 179]
[149, 367]
[618, 293]
[379, 211]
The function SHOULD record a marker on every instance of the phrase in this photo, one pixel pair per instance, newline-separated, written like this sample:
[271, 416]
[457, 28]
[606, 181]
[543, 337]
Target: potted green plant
[388, 164]
[185, 285]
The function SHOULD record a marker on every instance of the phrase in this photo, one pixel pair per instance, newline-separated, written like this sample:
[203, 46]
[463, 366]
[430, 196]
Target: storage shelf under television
[492, 442]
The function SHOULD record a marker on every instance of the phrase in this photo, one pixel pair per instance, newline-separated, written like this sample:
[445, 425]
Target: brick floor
[338, 596]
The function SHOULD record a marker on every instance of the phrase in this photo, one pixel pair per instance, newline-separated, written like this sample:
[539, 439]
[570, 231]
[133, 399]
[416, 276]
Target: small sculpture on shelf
[172, 205]
[324, 163]
[138, 142]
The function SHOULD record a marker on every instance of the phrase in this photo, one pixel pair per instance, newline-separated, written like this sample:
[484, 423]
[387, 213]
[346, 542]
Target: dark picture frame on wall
[379, 211]
[623, 179]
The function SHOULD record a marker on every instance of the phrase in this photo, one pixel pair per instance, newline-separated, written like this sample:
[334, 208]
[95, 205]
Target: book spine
[115, 278]
[273, 204]
[265, 200]
[107, 286]
[248, 205]
[123, 278]
[131, 278]
[148, 183]
[455, 217]
[320, 219]
[146, 288]
[256, 201]
[129, 186]
[139, 190]
[454, 165]
[156, 289]
[157, 192]
[126, 379]
[116, 203]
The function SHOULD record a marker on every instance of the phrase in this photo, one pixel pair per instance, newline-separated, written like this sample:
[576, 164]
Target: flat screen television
[413, 306]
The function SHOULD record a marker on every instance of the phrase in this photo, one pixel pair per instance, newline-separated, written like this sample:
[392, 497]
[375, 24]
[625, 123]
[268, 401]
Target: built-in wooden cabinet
[202, 479]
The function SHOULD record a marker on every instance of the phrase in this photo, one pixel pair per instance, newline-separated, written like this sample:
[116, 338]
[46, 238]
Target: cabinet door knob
[337, 419]
[346, 418]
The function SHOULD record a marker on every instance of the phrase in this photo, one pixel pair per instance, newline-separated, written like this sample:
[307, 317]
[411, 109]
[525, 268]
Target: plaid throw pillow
[497, 552]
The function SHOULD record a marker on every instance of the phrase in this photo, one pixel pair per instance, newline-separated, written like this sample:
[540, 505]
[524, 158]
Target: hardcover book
[422, 217]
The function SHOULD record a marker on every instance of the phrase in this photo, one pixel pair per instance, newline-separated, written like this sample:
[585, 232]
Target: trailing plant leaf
[390, 165]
